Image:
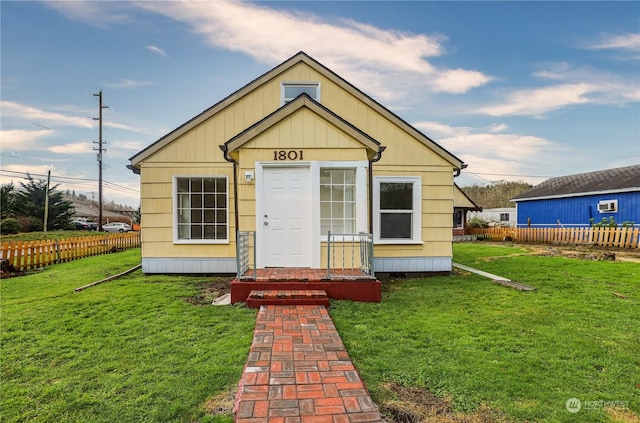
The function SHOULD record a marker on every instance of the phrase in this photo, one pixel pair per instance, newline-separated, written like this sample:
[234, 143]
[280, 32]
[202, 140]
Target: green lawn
[523, 354]
[37, 236]
[128, 350]
[135, 350]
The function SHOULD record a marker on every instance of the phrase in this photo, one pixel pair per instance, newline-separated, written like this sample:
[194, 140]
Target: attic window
[291, 90]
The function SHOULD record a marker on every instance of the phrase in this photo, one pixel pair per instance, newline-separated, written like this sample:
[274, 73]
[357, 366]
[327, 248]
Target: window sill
[396, 242]
[200, 242]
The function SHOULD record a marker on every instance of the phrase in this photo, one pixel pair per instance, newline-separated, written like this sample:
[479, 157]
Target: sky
[520, 91]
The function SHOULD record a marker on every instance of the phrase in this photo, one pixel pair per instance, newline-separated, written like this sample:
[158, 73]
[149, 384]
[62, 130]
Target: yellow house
[295, 154]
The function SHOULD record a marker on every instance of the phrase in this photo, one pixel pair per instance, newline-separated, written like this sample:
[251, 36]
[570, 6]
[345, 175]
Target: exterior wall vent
[608, 206]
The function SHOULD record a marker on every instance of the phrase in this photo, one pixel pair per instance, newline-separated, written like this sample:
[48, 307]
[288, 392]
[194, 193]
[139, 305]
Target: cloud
[437, 129]
[157, 50]
[489, 151]
[605, 87]
[21, 139]
[573, 86]
[128, 83]
[347, 46]
[538, 101]
[500, 127]
[132, 145]
[116, 125]
[629, 41]
[50, 119]
[72, 148]
[92, 12]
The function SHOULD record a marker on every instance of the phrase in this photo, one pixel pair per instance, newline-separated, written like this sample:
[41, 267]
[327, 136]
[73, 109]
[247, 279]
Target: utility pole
[46, 203]
[100, 150]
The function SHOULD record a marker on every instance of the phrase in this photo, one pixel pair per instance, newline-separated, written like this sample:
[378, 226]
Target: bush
[610, 222]
[477, 222]
[10, 226]
[30, 224]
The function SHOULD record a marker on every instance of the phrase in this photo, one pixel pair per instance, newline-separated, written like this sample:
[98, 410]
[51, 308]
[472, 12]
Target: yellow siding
[197, 153]
[157, 210]
[460, 200]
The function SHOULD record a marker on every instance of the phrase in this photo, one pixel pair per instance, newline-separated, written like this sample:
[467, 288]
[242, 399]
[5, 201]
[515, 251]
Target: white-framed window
[337, 200]
[397, 203]
[201, 209]
[504, 217]
[291, 90]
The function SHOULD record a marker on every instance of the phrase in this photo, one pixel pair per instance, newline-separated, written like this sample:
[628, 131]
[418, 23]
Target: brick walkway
[299, 371]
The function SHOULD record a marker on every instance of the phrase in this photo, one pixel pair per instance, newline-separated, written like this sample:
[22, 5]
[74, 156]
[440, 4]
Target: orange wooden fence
[26, 255]
[596, 236]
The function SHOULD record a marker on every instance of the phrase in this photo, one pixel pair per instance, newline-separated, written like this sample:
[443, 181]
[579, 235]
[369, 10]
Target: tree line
[496, 195]
[22, 209]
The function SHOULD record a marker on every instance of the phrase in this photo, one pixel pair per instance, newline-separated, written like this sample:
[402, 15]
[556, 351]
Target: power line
[83, 181]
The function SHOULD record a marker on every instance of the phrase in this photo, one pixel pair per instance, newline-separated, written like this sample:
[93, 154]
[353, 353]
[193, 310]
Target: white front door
[285, 217]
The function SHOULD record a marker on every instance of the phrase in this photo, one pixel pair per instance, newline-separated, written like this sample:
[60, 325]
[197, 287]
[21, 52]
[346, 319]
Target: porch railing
[245, 245]
[349, 256]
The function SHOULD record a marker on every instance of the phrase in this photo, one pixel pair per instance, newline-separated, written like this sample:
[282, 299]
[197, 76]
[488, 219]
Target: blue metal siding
[576, 211]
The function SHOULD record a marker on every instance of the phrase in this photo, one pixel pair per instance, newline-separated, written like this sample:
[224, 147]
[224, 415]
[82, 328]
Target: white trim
[174, 211]
[284, 84]
[317, 238]
[416, 237]
[579, 194]
[361, 168]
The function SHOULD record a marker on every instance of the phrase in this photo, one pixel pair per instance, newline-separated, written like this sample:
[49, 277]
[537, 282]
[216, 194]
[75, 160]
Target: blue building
[577, 200]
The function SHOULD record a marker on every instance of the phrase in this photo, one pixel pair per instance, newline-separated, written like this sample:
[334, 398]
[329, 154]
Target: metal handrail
[350, 265]
[244, 246]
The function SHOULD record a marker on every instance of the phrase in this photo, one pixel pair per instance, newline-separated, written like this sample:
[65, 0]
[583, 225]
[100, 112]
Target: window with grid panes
[337, 201]
[202, 208]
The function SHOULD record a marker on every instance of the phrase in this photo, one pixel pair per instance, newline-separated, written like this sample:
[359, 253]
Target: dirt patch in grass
[625, 415]
[417, 405]
[580, 252]
[221, 404]
[210, 289]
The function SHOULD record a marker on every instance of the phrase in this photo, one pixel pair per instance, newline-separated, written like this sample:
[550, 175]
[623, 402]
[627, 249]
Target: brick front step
[258, 298]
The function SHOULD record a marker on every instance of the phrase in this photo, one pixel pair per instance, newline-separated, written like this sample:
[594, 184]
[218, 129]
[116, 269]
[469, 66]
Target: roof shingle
[618, 179]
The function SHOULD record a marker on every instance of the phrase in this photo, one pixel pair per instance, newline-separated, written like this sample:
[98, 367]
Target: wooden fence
[595, 236]
[26, 255]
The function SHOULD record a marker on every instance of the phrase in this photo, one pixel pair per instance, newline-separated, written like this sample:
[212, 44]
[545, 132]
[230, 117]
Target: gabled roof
[302, 101]
[273, 73]
[462, 201]
[621, 179]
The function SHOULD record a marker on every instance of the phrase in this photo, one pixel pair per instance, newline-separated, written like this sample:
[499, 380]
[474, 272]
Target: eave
[302, 102]
[274, 73]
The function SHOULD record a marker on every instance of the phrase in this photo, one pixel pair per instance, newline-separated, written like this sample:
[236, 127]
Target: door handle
[266, 223]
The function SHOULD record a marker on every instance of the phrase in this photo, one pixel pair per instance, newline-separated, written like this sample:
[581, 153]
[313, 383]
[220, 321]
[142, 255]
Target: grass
[128, 350]
[134, 349]
[522, 354]
[38, 236]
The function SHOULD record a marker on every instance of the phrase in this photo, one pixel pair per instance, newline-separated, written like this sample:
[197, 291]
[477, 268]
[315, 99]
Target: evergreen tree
[7, 196]
[30, 200]
[137, 214]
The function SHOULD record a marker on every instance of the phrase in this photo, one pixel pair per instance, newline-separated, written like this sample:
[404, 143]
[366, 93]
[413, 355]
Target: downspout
[223, 147]
[372, 160]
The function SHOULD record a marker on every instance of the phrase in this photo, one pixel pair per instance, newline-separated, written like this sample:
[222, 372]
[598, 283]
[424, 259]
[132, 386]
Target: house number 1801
[288, 154]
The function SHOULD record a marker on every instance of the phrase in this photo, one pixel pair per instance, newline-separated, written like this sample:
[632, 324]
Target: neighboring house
[294, 154]
[84, 211]
[462, 205]
[501, 216]
[576, 200]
